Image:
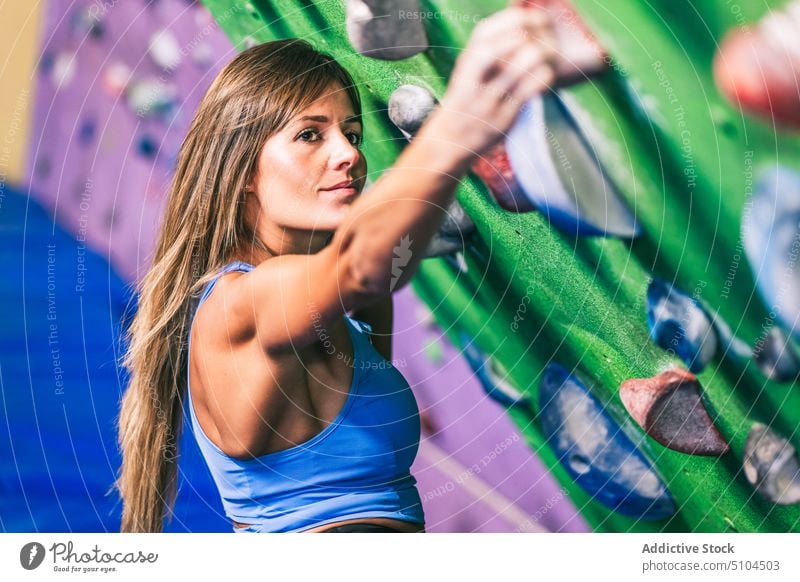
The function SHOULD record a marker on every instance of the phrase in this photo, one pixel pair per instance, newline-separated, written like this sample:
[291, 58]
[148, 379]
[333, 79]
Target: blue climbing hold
[680, 325]
[147, 146]
[771, 236]
[595, 451]
[86, 131]
[492, 379]
[559, 172]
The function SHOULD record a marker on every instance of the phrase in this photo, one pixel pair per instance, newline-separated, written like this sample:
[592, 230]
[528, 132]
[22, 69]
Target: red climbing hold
[758, 68]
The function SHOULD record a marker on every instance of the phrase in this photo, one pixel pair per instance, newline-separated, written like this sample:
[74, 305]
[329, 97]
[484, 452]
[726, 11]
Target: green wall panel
[684, 160]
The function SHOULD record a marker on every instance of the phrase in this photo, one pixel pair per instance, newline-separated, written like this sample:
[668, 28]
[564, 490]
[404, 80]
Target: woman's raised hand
[509, 58]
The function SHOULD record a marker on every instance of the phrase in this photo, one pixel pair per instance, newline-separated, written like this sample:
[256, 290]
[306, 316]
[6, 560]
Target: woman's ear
[250, 185]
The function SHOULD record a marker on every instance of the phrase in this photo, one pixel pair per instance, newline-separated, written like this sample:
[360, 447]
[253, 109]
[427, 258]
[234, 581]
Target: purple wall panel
[96, 161]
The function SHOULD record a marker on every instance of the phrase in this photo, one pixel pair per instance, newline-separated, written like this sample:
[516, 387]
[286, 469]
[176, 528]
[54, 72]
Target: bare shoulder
[235, 384]
[218, 319]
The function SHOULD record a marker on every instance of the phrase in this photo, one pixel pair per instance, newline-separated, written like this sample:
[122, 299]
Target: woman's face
[311, 171]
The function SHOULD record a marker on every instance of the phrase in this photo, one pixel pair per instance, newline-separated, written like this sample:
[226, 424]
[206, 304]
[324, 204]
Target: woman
[265, 247]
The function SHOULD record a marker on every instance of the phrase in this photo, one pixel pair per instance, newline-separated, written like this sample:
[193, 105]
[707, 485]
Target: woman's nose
[344, 152]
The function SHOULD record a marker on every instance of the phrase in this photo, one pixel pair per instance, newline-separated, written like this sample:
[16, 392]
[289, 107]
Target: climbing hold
[86, 131]
[458, 260]
[729, 344]
[456, 222]
[454, 231]
[46, 62]
[441, 246]
[203, 55]
[492, 376]
[670, 409]
[152, 97]
[164, 50]
[409, 106]
[116, 78]
[63, 69]
[771, 236]
[86, 21]
[771, 465]
[494, 168]
[433, 351]
[425, 316]
[776, 356]
[386, 29]
[147, 146]
[595, 451]
[754, 66]
[680, 325]
[41, 167]
[559, 171]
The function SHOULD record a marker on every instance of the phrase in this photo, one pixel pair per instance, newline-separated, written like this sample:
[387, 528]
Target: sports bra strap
[234, 266]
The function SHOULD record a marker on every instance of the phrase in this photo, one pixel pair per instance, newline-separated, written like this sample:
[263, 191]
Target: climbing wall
[649, 360]
[116, 86]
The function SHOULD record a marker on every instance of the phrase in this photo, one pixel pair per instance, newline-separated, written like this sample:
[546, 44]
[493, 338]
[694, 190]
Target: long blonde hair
[204, 225]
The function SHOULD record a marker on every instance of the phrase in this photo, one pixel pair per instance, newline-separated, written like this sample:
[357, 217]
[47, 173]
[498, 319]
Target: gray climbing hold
[409, 106]
[440, 246]
[561, 175]
[771, 236]
[165, 50]
[670, 409]
[203, 55]
[456, 222]
[771, 465]
[680, 325]
[152, 97]
[595, 451]
[454, 232]
[776, 356]
[386, 29]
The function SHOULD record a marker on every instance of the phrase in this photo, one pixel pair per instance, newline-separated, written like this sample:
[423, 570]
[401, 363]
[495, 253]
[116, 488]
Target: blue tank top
[358, 466]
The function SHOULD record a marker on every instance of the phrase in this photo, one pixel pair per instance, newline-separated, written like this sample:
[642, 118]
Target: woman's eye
[312, 135]
[307, 134]
[355, 138]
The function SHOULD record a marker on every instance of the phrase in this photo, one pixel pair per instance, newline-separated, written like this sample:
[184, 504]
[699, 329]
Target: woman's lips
[340, 193]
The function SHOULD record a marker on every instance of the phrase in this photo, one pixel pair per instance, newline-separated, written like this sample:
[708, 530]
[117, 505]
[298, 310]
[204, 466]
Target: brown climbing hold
[670, 409]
